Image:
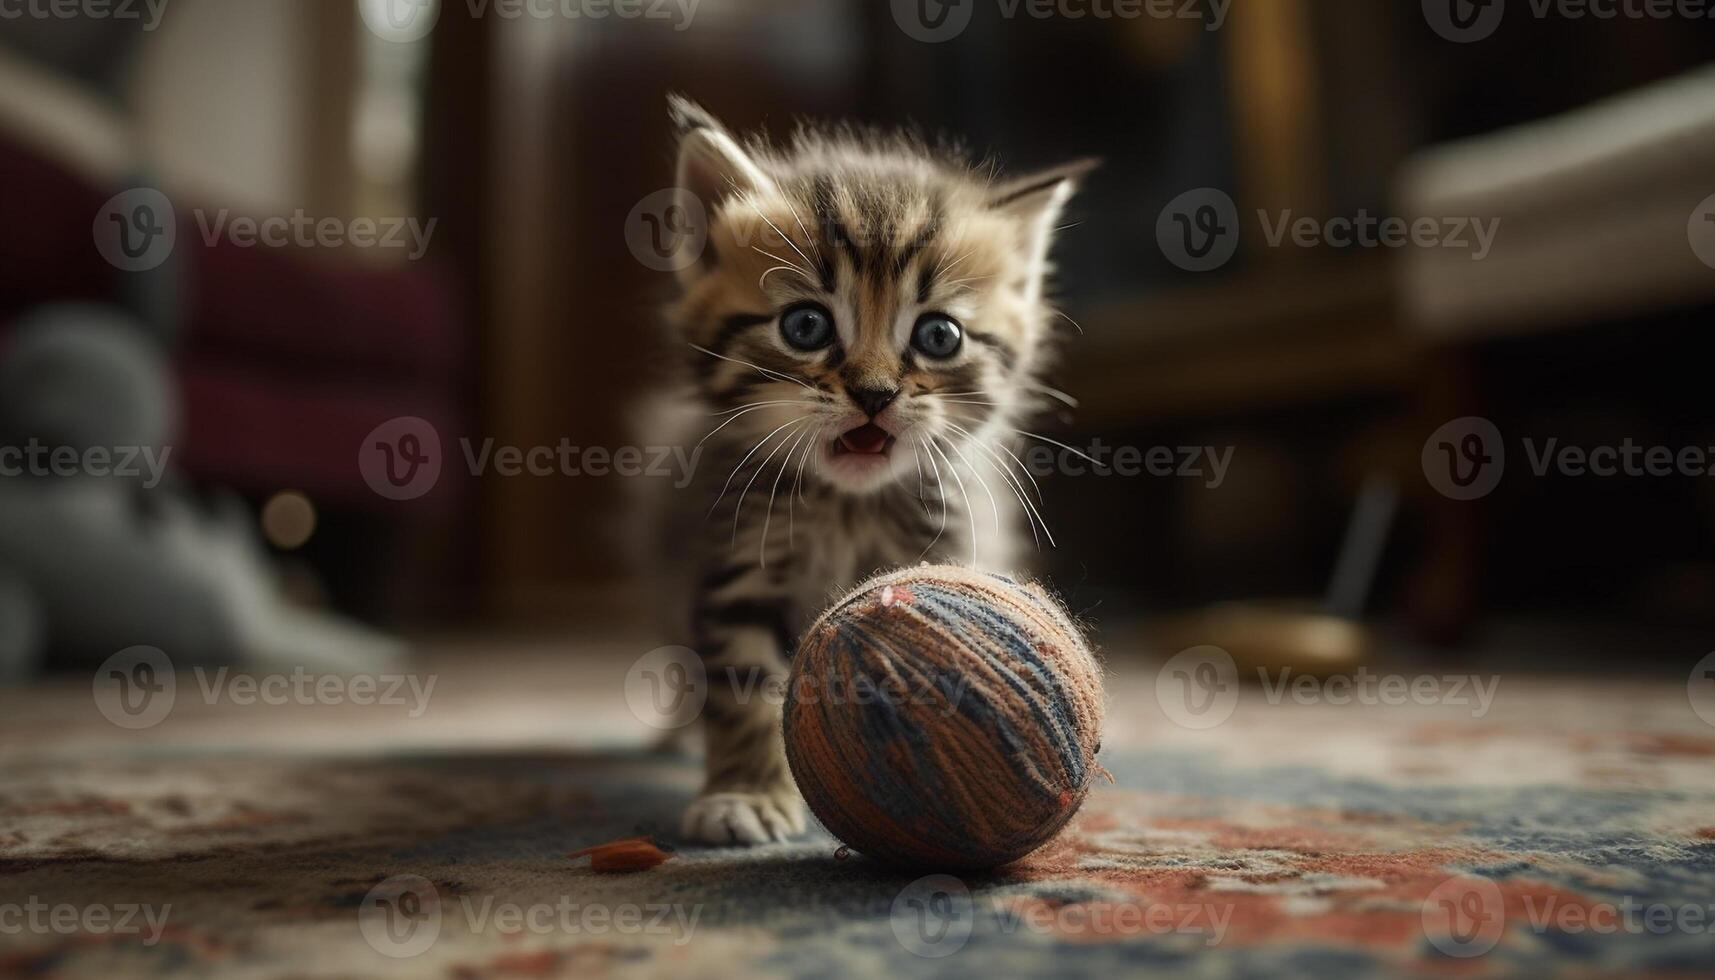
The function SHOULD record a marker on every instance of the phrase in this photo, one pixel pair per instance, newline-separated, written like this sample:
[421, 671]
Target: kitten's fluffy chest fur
[820, 542]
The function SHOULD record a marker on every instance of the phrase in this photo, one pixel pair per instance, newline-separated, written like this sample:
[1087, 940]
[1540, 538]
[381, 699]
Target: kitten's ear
[1037, 200]
[712, 165]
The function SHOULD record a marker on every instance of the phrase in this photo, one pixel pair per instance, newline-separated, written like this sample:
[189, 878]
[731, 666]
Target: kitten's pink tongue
[869, 438]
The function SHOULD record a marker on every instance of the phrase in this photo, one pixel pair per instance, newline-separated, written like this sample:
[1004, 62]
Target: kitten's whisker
[1076, 452]
[738, 415]
[765, 371]
[740, 408]
[1010, 454]
[810, 452]
[788, 263]
[1023, 469]
[790, 243]
[798, 485]
[734, 474]
[961, 282]
[762, 549]
[917, 453]
[1072, 322]
[1056, 394]
[941, 492]
[1034, 515]
[994, 507]
[739, 508]
[970, 512]
[1017, 491]
[950, 266]
[803, 228]
[763, 279]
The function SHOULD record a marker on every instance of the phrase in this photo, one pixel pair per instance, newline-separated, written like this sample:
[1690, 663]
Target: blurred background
[528, 134]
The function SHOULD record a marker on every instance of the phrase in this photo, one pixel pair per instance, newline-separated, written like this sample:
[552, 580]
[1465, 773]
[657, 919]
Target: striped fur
[878, 230]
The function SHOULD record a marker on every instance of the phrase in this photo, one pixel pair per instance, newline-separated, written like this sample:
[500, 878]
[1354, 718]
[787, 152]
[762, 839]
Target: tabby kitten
[867, 326]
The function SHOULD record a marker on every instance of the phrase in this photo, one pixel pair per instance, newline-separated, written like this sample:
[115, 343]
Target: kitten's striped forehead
[880, 232]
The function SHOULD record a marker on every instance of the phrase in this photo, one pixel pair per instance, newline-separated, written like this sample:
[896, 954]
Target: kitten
[867, 326]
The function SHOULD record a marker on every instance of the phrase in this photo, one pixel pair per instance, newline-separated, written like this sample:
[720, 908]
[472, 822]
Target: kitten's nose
[873, 400]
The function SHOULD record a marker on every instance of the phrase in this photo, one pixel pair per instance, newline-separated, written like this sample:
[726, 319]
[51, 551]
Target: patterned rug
[1556, 828]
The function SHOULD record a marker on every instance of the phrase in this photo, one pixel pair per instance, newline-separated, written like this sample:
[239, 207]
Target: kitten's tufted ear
[712, 167]
[1037, 200]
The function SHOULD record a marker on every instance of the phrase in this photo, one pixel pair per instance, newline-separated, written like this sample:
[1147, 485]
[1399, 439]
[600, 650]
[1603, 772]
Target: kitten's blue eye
[807, 327]
[937, 335]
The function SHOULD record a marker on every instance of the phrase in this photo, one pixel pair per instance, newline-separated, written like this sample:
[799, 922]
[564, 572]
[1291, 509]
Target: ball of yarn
[943, 717]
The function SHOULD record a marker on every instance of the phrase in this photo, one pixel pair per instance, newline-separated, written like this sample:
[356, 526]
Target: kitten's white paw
[743, 818]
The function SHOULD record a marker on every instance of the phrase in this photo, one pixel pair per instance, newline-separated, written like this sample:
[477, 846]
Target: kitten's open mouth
[865, 440]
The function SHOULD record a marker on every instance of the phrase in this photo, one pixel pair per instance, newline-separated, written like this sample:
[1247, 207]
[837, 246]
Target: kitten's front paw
[743, 818]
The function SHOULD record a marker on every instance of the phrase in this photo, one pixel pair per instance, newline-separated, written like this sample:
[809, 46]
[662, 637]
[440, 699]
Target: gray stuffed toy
[100, 547]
